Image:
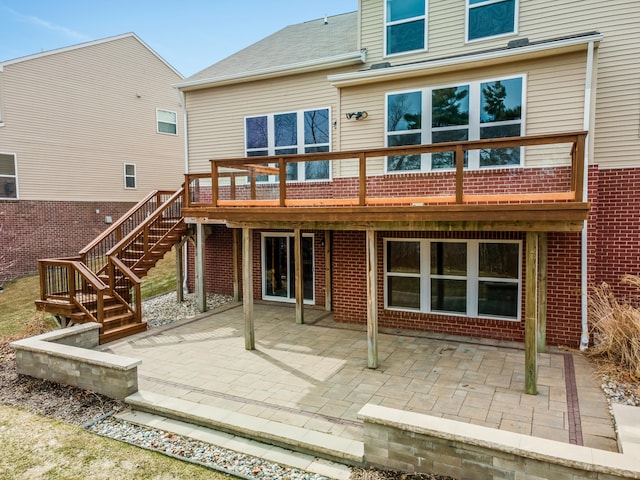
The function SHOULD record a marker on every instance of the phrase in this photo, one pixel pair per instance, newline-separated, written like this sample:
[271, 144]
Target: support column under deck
[297, 248]
[372, 300]
[200, 272]
[179, 272]
[531, 315]
[247, 287]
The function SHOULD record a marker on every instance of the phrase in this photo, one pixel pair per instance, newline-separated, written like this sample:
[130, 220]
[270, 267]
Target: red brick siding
[33, 230]
[219, 263]
[618, 229]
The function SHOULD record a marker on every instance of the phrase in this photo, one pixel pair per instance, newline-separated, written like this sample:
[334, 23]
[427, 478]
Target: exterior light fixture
[357, 115]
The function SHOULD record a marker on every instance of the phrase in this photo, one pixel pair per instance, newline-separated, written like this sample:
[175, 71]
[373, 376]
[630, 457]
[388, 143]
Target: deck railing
[244, 182]
[69, 280]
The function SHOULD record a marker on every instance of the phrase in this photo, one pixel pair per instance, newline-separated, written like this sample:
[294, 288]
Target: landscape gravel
[95, 412]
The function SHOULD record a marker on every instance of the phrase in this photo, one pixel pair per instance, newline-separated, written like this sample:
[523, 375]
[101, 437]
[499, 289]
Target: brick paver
[315, 375]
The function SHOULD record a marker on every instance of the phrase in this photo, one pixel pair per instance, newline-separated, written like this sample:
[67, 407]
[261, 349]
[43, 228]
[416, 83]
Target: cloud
[39, 22]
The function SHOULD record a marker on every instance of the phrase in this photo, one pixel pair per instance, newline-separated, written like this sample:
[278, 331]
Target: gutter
[584, 337]
[315, 64]
[472, 60]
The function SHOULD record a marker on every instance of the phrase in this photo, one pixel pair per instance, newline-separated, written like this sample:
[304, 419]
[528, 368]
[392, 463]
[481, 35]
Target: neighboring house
[501, 240]
[85, 132]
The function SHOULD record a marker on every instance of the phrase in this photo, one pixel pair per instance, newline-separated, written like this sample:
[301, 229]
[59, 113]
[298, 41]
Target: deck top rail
[251, 171]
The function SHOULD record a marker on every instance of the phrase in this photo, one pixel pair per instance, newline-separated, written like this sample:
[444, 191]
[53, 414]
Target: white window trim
[468, 7]
[158, 110]
[424, 17]
[15, 167]
[472, 278]
[473, 126]
[300, 147]
[263, 279]
[134, 176]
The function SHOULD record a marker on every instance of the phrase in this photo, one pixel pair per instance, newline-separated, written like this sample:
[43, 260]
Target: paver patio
[315, 375]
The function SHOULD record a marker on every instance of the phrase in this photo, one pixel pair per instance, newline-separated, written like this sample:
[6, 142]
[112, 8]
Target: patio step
[324, 445]
[270, 453]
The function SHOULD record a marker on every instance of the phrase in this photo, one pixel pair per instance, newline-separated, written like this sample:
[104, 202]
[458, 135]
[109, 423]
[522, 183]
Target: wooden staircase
[102, 284]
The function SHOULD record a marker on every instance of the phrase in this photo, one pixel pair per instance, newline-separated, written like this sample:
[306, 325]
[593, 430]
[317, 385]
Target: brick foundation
[33, 230]
[613, 250]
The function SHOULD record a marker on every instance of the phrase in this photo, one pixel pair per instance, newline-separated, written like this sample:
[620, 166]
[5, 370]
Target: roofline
[315, 64]
[490, 57]
[88, 44]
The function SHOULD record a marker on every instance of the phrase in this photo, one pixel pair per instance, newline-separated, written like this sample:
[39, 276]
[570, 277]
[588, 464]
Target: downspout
[584, 337]
[185, 260]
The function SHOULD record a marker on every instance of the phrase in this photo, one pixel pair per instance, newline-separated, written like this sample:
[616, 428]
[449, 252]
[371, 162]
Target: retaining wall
[412, 442]
[65, 356]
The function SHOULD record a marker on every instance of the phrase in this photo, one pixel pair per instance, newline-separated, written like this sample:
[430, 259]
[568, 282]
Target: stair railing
[94, 255]
[69, 280]
[124, 285]
[143, 240]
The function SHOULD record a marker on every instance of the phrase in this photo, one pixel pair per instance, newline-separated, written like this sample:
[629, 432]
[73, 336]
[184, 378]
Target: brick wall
[32, 230]
[613, 250]
[618, 229]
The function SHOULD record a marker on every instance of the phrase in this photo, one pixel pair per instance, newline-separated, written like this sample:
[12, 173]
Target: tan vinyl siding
[75, 117]
[554, 101]
[216, 115]
[616, 134]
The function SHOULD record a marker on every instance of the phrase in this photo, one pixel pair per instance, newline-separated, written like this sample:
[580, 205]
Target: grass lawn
[33, 446]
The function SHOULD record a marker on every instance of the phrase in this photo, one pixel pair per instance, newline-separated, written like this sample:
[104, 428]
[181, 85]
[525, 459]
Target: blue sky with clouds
[190, 35]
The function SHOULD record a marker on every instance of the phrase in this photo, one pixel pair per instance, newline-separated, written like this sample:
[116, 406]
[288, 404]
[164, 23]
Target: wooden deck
[237, 193]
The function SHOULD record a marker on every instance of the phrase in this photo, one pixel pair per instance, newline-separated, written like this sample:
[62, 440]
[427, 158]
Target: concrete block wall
[412, 442]
[65, 356]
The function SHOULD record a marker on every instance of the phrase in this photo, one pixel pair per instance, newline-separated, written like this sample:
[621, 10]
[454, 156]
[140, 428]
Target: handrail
[93, 284]
[94, 254]
[121, 221]
[277, 165]
[145, 225]
[134, 280]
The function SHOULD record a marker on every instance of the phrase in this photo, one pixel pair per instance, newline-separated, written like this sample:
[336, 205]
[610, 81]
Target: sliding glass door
[278, 267]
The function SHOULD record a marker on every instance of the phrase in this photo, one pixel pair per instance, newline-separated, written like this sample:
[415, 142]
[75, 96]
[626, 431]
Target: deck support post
[179, 272]
[297, 248]
[236, 272]
[372, 300]
[247, 287]
[531, 314]
[327, 270]
[542, 292]
[201, 293]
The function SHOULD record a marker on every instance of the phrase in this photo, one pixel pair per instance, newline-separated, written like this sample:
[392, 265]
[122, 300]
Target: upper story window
[473, 278]
[472, 111]
[405, 26]
[130, 175]
[167, 121]
[491, 18]
[303, 131]
[8, 176]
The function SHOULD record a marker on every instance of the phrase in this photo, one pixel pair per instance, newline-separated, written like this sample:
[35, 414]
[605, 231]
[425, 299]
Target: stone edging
[390, 434]
[66, 356]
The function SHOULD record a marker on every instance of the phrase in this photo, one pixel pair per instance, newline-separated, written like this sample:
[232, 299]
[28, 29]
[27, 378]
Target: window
[304, 131]
[8, 176]
[279, 268]
[167, 121]
[405, 26]
[473, 278]
[491, 18]
[491, 109]
[129, 175]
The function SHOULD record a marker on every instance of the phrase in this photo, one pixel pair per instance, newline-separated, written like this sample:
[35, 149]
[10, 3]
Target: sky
[190, 35]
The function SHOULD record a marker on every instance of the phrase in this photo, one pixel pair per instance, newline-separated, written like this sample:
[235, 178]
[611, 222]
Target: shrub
[615, 329]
